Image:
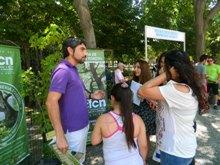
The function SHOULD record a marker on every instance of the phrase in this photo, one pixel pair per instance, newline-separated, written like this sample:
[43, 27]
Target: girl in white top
[122, 132]
[180, 99]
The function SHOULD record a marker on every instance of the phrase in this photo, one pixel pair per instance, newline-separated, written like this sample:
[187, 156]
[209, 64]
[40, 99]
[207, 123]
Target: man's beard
[81, 61]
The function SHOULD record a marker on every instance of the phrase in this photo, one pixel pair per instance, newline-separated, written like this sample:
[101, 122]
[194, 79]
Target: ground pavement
[208, 137]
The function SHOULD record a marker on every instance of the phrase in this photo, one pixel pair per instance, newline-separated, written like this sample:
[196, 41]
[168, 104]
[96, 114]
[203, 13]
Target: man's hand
[98, 95]
[62, 144]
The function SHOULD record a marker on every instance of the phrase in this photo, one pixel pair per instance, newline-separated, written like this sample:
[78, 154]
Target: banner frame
[154, 36]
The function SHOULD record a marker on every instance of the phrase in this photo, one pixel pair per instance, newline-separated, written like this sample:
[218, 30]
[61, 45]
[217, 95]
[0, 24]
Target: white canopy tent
[163, 34]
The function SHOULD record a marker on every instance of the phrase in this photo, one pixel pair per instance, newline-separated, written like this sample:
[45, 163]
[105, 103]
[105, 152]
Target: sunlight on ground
[202, 133]
[216, 126]
[207, 150]
[203, 162]
[208, 131]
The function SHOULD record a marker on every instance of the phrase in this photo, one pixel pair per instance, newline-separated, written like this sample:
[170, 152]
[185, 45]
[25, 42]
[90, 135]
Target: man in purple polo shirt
[66, 101]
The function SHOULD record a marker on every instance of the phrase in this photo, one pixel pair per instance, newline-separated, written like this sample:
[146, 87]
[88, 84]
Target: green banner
[92, 73]
[13, 130]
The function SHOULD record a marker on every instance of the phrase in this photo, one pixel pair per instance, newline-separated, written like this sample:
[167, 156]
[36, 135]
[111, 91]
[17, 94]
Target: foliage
[48, 153]
[3, 130]
[36, 84]
[117, 26]
[21, 19]
[51, 37]
[170, 15]
[213, 39]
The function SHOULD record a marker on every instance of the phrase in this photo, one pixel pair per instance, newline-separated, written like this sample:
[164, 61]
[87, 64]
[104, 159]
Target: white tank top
[115, 147]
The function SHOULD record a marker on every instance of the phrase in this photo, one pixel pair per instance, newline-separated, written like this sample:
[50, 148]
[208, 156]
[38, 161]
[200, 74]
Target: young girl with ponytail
[122, 132]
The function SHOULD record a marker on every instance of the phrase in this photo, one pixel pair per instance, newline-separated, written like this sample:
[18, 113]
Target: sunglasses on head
[73, 42]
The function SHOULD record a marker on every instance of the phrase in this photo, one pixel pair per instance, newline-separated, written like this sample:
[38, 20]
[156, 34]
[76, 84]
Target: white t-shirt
[118, 76]
[176, 134]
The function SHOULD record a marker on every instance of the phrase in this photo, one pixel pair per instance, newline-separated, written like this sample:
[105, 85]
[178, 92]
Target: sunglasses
[209, 60]
[74, 42]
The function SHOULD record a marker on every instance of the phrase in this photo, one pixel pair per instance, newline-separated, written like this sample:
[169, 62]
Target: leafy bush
[35, 86]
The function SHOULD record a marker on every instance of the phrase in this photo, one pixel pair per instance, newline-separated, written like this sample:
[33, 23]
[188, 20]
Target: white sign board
[163, 34]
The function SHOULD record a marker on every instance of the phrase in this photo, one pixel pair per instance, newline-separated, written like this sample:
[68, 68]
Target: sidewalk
[208, 138]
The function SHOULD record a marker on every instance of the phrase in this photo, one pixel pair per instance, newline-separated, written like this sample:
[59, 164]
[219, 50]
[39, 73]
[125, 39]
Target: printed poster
[13, 130]
[92, 73]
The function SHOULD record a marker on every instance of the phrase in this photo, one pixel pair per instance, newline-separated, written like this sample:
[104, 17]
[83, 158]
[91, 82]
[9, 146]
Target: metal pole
[184, 43]
[146, 44]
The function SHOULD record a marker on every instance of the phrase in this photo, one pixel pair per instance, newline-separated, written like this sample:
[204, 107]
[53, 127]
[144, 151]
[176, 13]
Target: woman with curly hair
[180, 99]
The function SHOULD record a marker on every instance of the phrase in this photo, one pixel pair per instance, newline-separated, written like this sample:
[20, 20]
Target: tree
[170, 15]
[83, 11]
[117, 26]
[213, 39]
[204, 13]
[20, 19]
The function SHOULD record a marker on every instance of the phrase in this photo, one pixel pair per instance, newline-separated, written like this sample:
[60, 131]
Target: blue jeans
[167, 159]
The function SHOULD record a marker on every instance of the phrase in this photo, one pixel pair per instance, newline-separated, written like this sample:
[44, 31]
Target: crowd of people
[168, 105]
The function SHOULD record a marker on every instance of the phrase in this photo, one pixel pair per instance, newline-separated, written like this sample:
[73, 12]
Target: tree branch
[212, 12]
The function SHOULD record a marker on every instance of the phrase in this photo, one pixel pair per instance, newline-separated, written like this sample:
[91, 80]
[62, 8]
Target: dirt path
[208, 137]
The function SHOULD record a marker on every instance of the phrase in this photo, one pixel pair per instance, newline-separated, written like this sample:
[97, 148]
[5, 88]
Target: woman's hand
[153, 104]
[161, 70]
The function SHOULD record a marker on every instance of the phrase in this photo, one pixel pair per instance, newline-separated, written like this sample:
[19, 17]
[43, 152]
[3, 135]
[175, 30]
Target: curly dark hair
[187, 75]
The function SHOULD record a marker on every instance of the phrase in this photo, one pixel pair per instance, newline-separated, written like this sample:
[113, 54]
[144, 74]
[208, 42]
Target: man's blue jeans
[167, 159]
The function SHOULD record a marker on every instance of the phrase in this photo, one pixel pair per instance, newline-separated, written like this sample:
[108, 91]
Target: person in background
[119, 78]
[213, 77]
[200, 69]
[122, 132]
[142, 74]
[66, 101]
[180, 99]
[218, 85]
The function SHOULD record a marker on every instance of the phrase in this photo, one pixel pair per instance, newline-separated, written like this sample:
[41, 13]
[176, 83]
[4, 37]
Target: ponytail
[123, 95]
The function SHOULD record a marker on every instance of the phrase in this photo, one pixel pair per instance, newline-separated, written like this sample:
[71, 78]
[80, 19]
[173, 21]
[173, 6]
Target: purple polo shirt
[73, 103]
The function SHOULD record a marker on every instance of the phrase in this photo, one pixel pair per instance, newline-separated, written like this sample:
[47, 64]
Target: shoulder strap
[119, 127]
